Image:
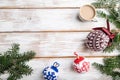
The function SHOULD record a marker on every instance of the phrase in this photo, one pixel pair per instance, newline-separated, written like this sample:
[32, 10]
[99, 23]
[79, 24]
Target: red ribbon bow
[78, 59]
[106, 30]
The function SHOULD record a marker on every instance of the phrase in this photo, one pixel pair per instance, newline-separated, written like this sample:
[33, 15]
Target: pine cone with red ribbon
[99, 38]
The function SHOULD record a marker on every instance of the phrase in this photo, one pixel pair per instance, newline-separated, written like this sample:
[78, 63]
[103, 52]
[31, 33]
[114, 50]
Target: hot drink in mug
[87, 13]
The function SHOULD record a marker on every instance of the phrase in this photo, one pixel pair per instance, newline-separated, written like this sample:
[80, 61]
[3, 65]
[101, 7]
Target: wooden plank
[50, 44]
[42, 3]
[45, 20]
[65, 70]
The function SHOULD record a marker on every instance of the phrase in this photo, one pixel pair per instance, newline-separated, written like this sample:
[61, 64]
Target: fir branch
[112, 7]
[109, 66]
[14, 63]
[102, 14]
[114, 45]
[117, 78]
[105, 3]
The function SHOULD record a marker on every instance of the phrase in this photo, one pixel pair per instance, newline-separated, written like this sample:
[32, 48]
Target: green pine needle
[113, 12]
[109, 66]
[114, 45]
[113, 9]
[14, 63]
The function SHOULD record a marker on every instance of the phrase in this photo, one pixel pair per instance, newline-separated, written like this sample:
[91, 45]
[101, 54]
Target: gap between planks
[52, 31]
[12, 7]
[49, 31]
[39, 7]
[73, 57]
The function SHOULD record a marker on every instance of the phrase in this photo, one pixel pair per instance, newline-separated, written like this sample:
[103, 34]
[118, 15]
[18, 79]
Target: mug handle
[94, 20]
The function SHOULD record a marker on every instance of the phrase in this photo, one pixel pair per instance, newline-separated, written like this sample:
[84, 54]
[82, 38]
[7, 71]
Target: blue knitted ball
[51, 73]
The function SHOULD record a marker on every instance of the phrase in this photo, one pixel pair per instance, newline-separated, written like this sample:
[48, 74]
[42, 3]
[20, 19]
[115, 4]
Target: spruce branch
[113, 9]
[106, 3]
[109, 66]
[14, 63]
[114, 45]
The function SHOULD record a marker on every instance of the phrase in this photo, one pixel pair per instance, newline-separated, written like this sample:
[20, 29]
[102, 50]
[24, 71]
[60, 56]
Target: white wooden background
[52, 29]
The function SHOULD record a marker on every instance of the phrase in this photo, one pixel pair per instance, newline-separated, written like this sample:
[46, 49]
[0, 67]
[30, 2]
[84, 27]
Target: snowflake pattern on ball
[51, 73]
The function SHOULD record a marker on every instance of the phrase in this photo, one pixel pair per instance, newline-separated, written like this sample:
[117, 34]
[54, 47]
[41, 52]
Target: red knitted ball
[97, 40]
[81, 65]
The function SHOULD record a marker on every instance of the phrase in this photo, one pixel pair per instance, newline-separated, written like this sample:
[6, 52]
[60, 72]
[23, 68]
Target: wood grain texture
[50, 44]
[53, 30]
[65, 70]
[45, 20]
[42, 3]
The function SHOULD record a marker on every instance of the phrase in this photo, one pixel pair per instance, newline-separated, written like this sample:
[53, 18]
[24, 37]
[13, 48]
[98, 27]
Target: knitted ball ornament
[51, 73]
[99, 38]
[80, 64]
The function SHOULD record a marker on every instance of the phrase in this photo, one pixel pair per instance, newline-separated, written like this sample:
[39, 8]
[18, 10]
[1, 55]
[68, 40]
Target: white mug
[87, 13]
